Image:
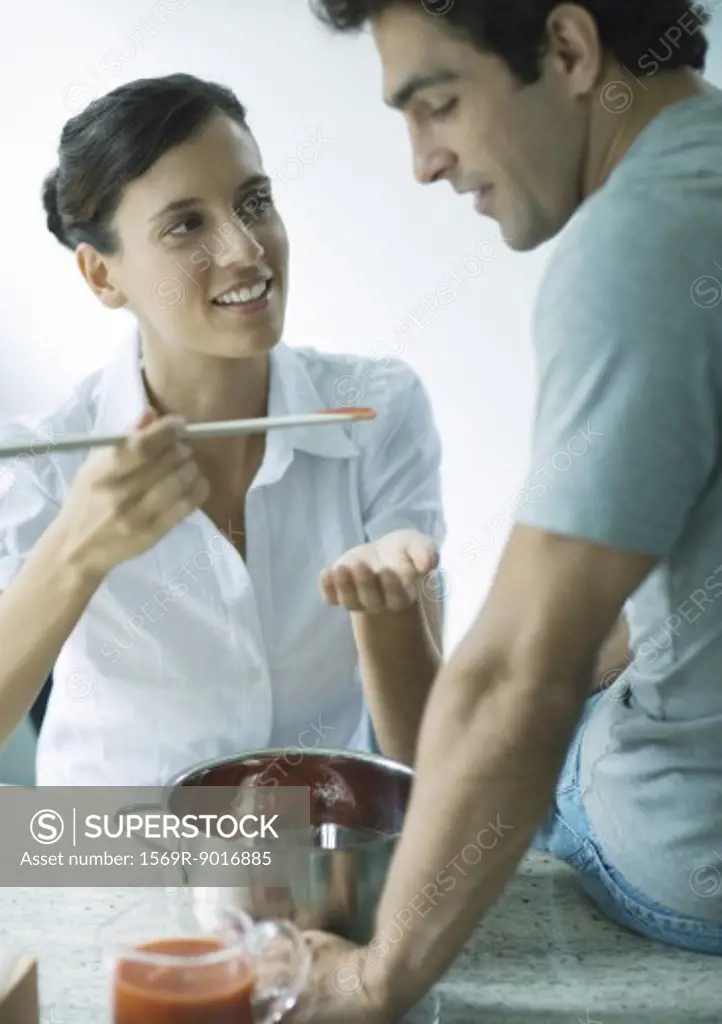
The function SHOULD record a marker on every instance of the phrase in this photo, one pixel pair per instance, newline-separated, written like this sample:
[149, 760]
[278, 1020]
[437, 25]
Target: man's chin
[519, 240]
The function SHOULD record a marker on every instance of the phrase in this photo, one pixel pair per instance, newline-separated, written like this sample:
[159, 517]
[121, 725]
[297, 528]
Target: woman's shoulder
[73, 412]
[381, 381]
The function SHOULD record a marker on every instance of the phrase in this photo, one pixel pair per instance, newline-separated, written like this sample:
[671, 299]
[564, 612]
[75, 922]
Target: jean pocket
[634, 910]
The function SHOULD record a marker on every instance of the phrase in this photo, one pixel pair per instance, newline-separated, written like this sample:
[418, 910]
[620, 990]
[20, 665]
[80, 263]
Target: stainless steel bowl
[358, 803]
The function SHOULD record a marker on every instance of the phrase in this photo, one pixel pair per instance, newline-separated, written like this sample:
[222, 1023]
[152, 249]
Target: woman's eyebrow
[254, 181]
[176, 206]
[179, 205]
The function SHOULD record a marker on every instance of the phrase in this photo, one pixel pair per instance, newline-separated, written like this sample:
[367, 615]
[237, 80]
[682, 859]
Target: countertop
[543, 956]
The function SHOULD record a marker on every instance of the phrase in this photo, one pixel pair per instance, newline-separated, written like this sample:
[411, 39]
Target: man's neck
[613, 133]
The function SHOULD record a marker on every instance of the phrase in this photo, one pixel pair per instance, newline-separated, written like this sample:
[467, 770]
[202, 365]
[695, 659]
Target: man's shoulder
[612, 227]
[657, 213]
[633, 248]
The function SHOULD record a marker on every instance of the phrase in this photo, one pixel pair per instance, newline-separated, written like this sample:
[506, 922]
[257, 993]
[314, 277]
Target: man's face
[519, 149]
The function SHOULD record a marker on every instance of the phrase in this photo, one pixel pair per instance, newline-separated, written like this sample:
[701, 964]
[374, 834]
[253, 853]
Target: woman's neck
[202, 389]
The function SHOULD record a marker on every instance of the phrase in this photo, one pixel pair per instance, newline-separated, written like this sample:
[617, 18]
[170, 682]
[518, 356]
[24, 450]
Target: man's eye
[446, 109]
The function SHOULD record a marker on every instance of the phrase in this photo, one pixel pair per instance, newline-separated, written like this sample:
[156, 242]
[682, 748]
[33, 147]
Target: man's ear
[96, 272]
[575, 48]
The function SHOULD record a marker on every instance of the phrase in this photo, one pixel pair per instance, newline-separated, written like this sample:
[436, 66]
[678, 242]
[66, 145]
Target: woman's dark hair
[514, 30]
[115, 140]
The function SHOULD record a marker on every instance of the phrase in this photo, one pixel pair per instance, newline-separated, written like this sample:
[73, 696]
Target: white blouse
[188, 652]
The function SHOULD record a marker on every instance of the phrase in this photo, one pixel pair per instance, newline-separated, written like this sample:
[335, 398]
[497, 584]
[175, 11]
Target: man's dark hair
[670, 31]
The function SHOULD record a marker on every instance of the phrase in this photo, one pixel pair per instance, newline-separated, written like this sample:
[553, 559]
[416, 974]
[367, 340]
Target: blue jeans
[568, 835]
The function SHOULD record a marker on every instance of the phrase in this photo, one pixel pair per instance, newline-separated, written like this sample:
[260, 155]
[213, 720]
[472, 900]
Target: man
[592, 119]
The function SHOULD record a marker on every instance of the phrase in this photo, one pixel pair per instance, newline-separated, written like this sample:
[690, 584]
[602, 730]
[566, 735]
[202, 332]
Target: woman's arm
[397, 624]
[385, 583]
[122, 501]
[38, 612]
[400, 654]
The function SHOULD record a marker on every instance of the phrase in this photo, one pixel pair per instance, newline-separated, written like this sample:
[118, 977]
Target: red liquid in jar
[199, 993]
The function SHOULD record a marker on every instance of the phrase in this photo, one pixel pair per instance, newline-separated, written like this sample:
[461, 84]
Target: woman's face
[203, 255]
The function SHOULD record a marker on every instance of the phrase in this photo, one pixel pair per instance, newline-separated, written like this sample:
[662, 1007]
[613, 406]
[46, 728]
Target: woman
[197, 599]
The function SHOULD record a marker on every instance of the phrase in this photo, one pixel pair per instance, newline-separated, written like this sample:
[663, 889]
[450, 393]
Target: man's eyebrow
[180, 205]
[401, 97]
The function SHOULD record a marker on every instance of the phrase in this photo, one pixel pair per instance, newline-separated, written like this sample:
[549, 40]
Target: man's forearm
[490, 750]
[399, 657]
[614, 655]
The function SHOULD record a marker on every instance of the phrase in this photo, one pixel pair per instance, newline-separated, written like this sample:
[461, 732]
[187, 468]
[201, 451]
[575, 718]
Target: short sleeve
[401, 482]
[626, 431]
[28, 506]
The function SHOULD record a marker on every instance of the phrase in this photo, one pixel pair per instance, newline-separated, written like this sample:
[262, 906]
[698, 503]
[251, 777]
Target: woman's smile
[245, 300]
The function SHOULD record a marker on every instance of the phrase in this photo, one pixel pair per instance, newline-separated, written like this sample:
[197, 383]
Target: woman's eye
[255, 205]
[188, 223]
[446, 109]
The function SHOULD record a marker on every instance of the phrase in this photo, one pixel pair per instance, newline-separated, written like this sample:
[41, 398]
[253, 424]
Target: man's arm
[614, 656]
[399, 656]
[493, 739]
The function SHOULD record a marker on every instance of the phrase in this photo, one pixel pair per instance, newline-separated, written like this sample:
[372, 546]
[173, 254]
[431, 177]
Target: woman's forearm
[38, 611]
[399, 656]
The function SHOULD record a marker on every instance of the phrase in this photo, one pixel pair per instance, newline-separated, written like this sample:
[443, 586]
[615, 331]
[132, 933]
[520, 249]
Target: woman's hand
[126, 497]
[386, 575]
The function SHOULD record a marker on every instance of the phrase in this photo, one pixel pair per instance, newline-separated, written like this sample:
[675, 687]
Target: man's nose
[432, 165]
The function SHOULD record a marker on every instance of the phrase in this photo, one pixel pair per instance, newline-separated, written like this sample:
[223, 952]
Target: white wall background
[368, 244]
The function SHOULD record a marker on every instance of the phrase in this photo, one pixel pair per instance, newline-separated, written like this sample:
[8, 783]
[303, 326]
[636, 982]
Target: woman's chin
[238, 344]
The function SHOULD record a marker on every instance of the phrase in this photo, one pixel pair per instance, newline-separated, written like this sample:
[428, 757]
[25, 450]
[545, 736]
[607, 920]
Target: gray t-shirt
[628, 332]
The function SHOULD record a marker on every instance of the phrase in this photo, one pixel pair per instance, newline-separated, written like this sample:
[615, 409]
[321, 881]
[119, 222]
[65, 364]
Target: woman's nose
[238, 243]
